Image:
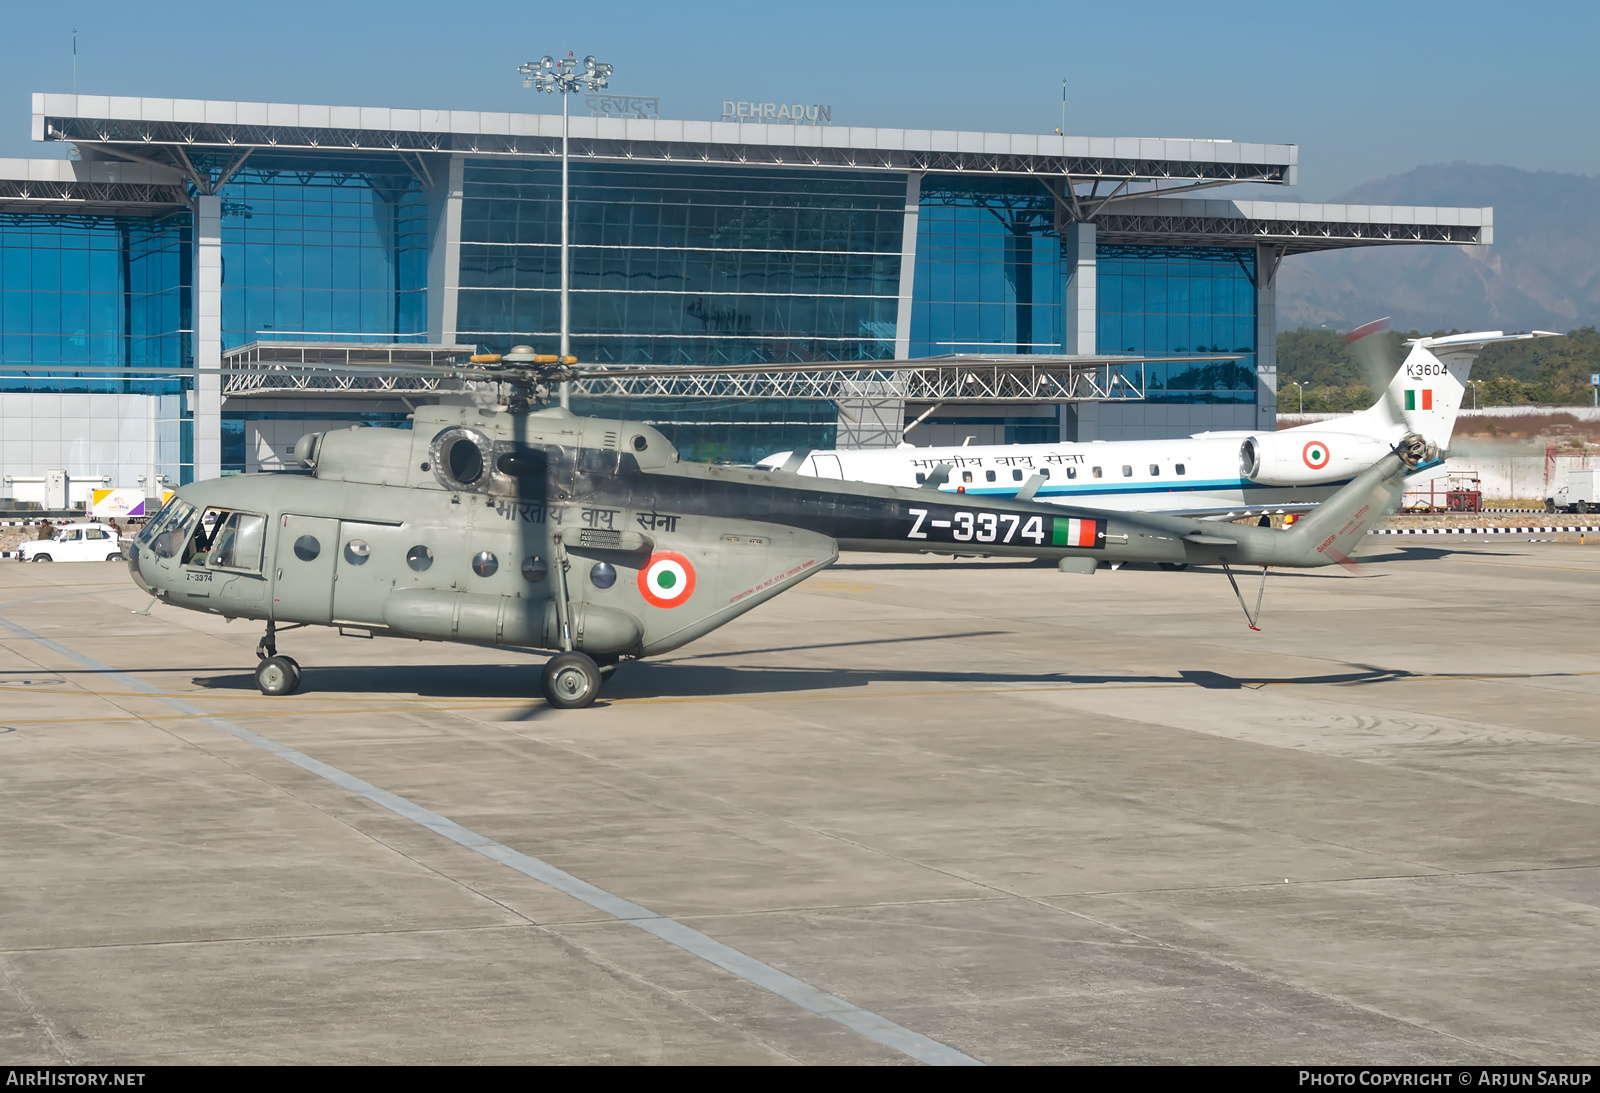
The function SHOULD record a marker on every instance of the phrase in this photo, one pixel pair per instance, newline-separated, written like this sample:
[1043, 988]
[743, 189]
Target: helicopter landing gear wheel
[1175, 567]
[277, 676]
[571, 681]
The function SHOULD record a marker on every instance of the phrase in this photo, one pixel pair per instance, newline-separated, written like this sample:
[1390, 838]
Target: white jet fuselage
[1289, 470]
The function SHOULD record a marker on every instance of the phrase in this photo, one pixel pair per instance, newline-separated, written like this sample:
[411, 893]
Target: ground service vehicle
[76, 542]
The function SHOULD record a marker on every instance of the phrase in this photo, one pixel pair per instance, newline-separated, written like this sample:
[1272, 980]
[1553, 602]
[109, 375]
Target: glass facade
[728, 430]
[84, 291]
[1181, 300]
[683, 265]
[320, 255]
[989, 275]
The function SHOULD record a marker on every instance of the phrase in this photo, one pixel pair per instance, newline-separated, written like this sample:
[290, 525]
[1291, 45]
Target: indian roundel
[1316, 455]
[667, 580]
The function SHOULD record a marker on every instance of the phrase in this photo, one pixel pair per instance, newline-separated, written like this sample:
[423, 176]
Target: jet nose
[133, 568]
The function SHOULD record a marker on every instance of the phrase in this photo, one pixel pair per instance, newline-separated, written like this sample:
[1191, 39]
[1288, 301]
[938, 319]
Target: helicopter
[523, 525]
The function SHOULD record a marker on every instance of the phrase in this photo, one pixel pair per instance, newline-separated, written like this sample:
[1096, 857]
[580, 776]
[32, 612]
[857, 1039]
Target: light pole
[549, 74]
[1302, 392]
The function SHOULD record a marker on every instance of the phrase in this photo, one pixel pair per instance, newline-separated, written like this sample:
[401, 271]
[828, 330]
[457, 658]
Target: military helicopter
[524, 525]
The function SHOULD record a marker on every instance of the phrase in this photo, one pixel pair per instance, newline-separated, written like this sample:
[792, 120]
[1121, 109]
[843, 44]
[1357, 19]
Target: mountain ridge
[1541, 272]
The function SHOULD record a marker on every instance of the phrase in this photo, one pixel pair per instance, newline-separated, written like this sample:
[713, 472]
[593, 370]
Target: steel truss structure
[359, 369]
[1292, 236]
[263, 369]
[91, 198]
[969, 380]
[175, 139]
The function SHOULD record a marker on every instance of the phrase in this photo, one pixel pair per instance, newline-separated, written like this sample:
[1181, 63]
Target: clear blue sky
[1366, 89]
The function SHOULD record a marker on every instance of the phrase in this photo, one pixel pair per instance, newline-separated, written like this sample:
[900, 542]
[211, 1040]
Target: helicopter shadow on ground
[469, 681]
[1428, 554]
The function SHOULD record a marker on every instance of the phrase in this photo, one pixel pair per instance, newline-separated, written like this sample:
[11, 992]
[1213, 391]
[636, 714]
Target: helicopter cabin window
[988, 476]
[1016, 475]
[1155, 470]
[1127, 470]
[1094, 472]
[1177, 468]
[236, 544]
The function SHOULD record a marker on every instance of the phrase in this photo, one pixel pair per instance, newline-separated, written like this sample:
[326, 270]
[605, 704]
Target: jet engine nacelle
[1297, 459]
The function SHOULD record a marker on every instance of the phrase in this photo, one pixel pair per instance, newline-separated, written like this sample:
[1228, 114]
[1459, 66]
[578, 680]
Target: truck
[1578, 495]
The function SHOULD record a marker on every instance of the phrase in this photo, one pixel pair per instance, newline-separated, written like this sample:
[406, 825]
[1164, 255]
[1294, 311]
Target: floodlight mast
[549, 74]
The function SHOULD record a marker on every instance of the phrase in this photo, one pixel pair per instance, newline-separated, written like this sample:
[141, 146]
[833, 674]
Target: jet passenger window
[1127, 470]
[966, 476]
[921, 478]
[988, 475]
[1178, 468]
[1044, 472]
[1016, 476]
[1095, 473]
[1072, 472]
[1155, 470]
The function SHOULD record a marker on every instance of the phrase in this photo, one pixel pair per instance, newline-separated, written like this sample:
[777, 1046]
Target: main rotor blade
[1373, 350]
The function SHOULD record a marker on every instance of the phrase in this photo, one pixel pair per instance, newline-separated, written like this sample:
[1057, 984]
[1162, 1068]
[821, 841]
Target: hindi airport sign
[623, 106]
[784, 113]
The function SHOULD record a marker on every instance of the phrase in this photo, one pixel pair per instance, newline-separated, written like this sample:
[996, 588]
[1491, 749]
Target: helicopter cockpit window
[165, 535]
[237, 542]
[197, 551]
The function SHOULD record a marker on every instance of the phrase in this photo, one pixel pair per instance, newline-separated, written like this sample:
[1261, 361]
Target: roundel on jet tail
[1315, 455]
[667, 579]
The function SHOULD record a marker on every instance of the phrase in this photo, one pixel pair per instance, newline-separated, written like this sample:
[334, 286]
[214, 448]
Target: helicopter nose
[133, 569]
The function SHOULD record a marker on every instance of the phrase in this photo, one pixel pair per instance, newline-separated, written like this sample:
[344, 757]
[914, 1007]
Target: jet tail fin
[1428, 390]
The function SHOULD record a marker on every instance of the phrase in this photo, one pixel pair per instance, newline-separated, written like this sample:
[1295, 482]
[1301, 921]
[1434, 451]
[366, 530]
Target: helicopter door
[827, 466]
[302, 588]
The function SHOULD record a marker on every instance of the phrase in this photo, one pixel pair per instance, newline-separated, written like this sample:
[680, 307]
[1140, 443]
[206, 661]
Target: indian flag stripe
[1411, 400]
[1427, 400]
[1075, 533]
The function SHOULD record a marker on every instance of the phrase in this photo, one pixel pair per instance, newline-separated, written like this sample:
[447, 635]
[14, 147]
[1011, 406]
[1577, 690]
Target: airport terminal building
[187, 234]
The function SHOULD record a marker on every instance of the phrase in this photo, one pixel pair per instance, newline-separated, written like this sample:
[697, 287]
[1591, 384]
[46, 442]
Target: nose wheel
[275, 675]
[278, 676]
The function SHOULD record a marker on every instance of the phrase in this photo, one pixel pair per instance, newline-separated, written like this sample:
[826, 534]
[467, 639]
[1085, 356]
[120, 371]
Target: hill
[1542, 271]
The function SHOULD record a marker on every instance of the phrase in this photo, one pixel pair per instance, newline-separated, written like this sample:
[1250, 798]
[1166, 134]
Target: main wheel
[277, 676]
[43, 558]
[571, 681]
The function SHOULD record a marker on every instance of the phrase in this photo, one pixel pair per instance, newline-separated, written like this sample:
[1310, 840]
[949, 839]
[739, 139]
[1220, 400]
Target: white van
[88, 542]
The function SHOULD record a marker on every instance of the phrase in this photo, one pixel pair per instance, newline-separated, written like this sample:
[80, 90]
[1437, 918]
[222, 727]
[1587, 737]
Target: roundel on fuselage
[667, 579]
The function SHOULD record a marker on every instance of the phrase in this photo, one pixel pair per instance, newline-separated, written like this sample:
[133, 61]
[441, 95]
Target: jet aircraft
[1216, 473]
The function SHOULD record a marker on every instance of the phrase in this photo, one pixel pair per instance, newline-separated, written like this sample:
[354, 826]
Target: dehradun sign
[782, 112]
